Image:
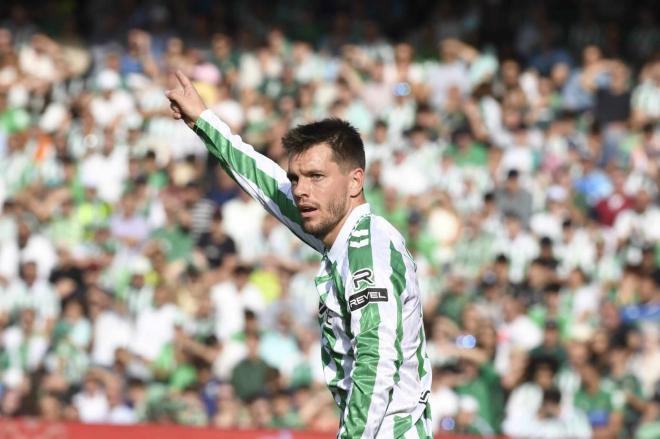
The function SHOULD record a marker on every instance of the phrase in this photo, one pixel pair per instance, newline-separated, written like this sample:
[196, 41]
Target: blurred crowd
[138, 284]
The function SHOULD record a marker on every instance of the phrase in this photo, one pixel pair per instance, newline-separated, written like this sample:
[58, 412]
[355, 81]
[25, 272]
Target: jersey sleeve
[255, 173]
[373, 294]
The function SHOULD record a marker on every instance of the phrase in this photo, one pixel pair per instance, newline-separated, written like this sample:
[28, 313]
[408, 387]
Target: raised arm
[255, 173]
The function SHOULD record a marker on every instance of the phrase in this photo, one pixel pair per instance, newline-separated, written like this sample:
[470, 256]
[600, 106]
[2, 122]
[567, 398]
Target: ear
[357, 182]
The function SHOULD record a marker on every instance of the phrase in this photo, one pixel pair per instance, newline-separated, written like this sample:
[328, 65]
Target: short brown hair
[342, 137]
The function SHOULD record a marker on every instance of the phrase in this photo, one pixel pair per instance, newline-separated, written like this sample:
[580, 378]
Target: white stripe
[359, 244]
[360, 232]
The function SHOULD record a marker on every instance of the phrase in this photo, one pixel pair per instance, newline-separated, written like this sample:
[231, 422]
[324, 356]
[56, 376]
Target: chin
[315, 229]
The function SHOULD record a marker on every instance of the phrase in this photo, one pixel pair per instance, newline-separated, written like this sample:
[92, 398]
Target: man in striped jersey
[373, 345]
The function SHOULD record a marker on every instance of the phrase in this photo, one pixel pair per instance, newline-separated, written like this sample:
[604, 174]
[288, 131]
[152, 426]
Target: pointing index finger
[183, 80]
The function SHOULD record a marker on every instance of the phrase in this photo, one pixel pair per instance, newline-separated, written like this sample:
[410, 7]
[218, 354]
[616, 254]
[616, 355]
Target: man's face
[320, 188]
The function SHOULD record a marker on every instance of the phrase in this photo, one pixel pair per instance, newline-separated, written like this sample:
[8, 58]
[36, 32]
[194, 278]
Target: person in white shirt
[548, 221]
[154, 326]
[91, 402]
[378, 147]
[110, 105]
[518, 246]
[118, 411]
[444, 401]
[28, 246]
[423, 154]
[106, 169]
[232, 298]
[517, 333]
[583, 297]
[640, 224]
[527, 398]
[28, 291]
[551, 422]
[25, 346]
[111, 331]
[242, 220]
[575, 249]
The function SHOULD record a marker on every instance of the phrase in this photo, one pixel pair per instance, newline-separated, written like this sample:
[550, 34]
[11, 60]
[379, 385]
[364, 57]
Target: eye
[317, 177]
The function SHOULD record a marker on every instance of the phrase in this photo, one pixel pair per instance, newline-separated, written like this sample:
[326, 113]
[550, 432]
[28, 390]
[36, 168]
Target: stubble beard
[336, 210]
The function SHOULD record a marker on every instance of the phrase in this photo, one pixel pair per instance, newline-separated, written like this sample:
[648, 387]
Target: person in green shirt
[649, 426]
[601, 402]
[550, 310]
[284, 417]
[12, 120]
[454, 299]
[394, 210]
[483, 384]
[466, 151]
[174, 239]
[175, 366]
[419, 241]
[468, 421]
[66, 229]
[627, 384]
[551, 345]
[249, 375]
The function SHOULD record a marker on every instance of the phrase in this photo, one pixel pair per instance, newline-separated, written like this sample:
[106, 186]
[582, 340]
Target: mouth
[307, 211]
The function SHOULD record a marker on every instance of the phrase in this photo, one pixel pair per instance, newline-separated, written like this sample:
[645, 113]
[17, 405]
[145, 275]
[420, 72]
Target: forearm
[255, 173]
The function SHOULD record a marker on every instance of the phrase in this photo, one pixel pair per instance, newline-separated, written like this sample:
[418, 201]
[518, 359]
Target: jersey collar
[340, 242]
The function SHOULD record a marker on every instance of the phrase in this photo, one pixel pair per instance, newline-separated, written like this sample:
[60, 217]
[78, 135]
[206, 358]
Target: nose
[300, 189]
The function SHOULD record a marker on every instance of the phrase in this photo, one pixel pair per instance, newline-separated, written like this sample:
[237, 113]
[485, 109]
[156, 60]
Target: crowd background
[515, 144]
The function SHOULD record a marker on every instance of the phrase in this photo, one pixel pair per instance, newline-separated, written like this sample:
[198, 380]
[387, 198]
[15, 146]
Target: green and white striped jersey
[373, 344]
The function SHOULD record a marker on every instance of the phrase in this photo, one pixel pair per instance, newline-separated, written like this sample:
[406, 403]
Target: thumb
[173, 95]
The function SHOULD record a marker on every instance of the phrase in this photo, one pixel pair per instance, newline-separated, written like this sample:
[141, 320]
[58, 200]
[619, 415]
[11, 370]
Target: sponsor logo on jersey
[366, 296]
[364, 275]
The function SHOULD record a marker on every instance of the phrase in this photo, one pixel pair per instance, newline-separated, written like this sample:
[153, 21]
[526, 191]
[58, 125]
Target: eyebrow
[291, 175]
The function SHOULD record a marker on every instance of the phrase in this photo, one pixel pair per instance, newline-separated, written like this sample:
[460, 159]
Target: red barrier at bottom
[35, 429]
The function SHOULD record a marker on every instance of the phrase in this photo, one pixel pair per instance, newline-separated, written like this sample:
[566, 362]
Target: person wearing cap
[375, 359]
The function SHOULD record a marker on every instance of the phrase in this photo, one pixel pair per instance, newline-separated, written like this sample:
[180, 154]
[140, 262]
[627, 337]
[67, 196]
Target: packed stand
[138, 284]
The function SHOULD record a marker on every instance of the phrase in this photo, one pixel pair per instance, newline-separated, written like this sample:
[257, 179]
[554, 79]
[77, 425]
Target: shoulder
[373, 243]
[381, 228]
[372, 232]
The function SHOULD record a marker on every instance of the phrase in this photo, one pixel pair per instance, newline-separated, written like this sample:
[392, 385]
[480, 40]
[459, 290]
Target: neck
[331, 236]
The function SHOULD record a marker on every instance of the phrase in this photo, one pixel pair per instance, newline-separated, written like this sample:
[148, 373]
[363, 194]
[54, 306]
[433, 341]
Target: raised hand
[185, 102]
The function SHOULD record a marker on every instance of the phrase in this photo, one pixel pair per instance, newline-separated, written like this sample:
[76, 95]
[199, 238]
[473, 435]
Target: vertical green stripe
[401, 425]
[419, 425]
[423, 422]
[398, 279]
[341, 297]
[420, 358]
[367, 351]
[234, 160]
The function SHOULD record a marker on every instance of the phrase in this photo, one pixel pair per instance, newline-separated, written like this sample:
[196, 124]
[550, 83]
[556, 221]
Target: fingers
[183, 80]
[176, 110]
